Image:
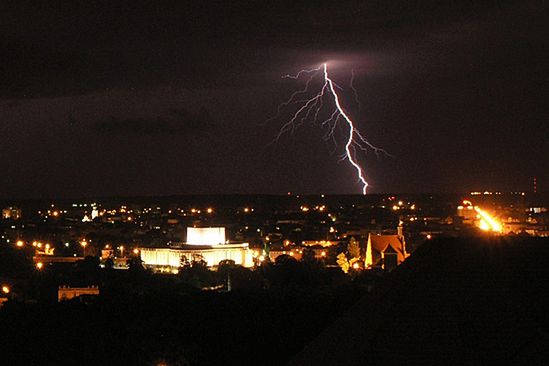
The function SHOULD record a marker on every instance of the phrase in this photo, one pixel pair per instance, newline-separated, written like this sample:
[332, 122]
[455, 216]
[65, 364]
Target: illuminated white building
[208, 244]
[205, 235]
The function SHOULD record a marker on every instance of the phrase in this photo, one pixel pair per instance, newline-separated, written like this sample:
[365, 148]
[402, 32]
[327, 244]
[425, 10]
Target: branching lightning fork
[311, 108]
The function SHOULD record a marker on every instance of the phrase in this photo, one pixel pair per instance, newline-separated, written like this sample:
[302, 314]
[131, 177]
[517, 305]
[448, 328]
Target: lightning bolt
[310, 108]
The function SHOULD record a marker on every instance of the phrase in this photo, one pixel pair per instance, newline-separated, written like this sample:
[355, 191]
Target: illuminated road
[486, 221]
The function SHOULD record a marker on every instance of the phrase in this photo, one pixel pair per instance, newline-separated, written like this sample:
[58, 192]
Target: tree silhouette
[13, 262]
[353, 248]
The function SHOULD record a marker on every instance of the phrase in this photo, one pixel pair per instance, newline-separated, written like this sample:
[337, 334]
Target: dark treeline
[142, 318]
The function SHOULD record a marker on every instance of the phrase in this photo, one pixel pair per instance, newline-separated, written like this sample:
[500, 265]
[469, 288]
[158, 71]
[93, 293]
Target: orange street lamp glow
[84, 243]
[483, 225]
[39, 265]
[6, 289]
[487, 222]
[19, 243]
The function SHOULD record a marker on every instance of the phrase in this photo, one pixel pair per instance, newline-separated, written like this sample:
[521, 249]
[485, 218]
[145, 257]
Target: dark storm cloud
[456, 91]
[178, 121]
[81, 48]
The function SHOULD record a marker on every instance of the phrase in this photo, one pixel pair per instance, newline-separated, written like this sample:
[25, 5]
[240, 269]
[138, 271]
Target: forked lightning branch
[329, 114]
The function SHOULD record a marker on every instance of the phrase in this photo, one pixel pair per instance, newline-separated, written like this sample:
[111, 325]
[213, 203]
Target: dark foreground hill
[467, 301]
[453, 302]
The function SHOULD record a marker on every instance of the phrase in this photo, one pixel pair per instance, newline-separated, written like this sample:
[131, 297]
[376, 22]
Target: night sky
[154, 98]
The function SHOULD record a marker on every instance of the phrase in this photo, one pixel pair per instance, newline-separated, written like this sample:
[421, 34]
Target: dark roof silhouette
[453, 302]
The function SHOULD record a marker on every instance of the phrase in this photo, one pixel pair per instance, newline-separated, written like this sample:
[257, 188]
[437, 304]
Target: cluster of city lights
[497, 193]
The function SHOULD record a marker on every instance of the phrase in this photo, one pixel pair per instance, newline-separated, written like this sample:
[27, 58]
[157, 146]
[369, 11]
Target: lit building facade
[67, 293]
[207, 244]
[385, 251]
[11, 213]
[205, 235]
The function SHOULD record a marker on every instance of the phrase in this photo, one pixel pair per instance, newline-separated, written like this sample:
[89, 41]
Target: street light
[6, 289]
[84, 243]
